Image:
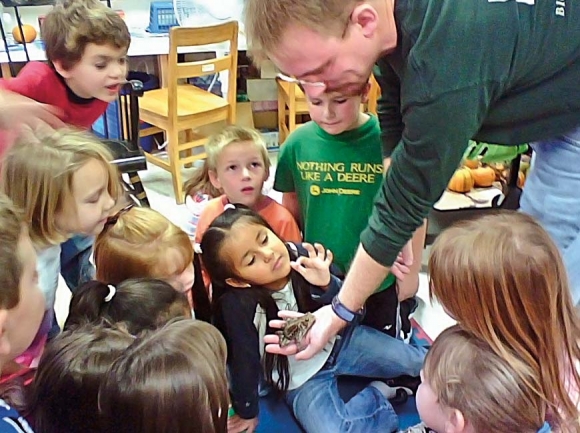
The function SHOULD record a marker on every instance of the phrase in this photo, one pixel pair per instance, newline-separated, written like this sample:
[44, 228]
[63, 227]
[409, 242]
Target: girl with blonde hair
[142, 243]
[65, 185]
[467, 388]
[502, 278]
[237, 164]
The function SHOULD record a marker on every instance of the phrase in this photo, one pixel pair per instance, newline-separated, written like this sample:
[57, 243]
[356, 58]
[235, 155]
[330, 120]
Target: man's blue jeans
[552, 196]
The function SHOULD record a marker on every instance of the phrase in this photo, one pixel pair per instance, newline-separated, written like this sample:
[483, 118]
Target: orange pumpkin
[462, 180]
[29, 33]
[483, 176]
[521, 179]
[471, 163]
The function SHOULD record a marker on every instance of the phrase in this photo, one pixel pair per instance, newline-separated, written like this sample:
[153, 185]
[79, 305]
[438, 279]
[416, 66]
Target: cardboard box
[262, 89]
[266, 119]
[268, 70]
[244, 115]
[264, 106]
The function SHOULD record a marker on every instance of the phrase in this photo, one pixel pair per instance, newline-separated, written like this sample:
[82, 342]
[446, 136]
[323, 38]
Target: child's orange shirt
[279, 218]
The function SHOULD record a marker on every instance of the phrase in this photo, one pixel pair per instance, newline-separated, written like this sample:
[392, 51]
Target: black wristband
[343, 312]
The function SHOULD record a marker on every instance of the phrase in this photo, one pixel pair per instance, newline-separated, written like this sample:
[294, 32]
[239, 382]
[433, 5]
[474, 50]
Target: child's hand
[407, 281]
[17, 110]
[316, 267]
[236, 424]
[402, 265]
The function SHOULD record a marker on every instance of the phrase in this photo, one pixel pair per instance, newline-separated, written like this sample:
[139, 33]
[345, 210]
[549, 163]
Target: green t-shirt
[336, 178]
[498, 71]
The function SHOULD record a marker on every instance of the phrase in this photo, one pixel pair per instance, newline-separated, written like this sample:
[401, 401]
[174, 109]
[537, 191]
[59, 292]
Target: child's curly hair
[73, 24]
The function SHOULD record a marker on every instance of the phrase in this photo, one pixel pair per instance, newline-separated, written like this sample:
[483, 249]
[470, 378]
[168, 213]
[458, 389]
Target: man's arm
[389, 108]
[434, 140]
[435, 137]
[362, 279]
[408, 286]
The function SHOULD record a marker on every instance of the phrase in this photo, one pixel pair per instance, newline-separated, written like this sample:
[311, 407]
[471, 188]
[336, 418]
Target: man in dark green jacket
[501, 71]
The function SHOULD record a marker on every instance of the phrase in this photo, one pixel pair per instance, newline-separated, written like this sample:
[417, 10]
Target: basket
[161, 17]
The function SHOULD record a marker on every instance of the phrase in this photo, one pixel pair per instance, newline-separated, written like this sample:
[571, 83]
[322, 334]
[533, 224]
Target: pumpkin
[521, 179]
[462, 180]
[28, 31]
[471, 163]
[483, 176]
[525, 167]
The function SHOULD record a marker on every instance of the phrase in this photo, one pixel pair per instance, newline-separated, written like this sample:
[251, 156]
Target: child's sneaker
[401, 397]
[409, 383]
[406, 311]
[419, 428]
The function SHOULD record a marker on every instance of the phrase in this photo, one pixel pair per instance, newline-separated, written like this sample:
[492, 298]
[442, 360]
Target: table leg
[6, 72]
[162, 66]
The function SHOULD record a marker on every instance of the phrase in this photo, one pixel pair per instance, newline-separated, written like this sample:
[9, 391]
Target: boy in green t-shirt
[329, 171]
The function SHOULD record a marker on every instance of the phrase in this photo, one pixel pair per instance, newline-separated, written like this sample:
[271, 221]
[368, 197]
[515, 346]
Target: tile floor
[157, 183]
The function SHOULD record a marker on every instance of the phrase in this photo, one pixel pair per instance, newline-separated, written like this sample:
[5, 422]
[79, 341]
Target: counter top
[142, 44]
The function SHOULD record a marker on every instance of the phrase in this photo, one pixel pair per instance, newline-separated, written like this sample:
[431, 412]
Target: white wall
[136, 12]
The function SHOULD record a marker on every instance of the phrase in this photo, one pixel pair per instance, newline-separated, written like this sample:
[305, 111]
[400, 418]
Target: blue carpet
[275, 415]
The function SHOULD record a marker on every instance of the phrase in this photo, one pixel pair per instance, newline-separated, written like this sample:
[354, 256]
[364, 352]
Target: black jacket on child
[234, 312]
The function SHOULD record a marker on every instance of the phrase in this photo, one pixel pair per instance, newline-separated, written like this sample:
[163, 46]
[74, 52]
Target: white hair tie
[112, 291]
[197, 248]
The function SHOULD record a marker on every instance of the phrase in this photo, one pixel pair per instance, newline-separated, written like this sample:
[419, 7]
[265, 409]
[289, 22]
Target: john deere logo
[314, 190]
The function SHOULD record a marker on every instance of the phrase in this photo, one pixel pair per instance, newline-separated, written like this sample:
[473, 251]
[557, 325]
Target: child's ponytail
[86, 304]
[200, 183]
[139, 304]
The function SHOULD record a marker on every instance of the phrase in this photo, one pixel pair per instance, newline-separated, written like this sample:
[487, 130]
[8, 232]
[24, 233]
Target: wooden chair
[373, 96]
[184, 107]
[127, 154]
[292, 103]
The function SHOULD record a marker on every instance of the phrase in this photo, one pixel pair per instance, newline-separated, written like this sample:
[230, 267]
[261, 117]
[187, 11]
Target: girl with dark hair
[137, 304]
[254, 275]
[170, 380]
[63, 396]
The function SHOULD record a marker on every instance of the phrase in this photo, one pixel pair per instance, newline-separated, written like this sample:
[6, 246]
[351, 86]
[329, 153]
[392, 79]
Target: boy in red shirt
[86, 47]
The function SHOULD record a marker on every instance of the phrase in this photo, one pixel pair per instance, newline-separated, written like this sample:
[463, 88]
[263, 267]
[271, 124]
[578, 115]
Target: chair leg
[188, 152]
[138, 190]
[175, 164]
[291, 116]
[281, 116]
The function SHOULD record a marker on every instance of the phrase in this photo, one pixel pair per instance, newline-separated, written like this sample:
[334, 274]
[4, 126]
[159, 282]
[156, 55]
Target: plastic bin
[161, 17]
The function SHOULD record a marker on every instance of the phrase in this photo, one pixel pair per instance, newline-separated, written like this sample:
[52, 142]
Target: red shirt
[42, 83]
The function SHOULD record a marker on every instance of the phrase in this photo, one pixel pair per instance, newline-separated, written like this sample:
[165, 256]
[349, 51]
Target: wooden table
[142, 44]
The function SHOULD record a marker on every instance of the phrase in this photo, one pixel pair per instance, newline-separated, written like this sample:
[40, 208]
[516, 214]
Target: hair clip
[229, 206]
[197, 248]
[112, 291]
[113, 219]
